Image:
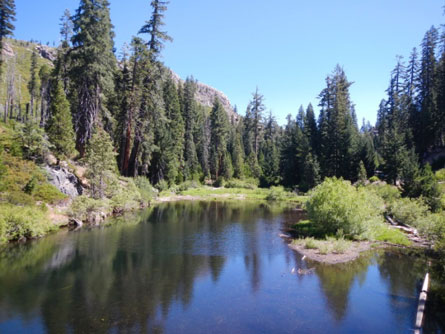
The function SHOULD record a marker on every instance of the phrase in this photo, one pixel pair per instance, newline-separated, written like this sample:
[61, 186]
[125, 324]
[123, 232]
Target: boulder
[64, 180]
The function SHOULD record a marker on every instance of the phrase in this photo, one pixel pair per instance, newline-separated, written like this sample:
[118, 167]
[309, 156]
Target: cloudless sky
[285, 47]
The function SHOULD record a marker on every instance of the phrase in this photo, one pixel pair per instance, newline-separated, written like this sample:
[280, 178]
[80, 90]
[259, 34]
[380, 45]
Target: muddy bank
[333, 258]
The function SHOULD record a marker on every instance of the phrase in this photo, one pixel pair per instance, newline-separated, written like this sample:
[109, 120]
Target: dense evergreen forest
[124, 111]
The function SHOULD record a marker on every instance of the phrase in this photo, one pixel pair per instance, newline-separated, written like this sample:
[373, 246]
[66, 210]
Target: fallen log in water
[421, 306]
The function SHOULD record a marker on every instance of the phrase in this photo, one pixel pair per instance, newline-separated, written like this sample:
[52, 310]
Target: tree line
[129, 111]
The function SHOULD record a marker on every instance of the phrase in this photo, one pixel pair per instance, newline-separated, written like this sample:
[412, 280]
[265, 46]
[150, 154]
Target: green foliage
[388, 192]
[17, 222]
[440, 175]
[83, 207]
[336, 204]
[101, 163]
[60, 127]
[242, 184]
[219, 182]
[145, 188]
[33, 140]
[408, 211]
[162, 185]
[187, 185]
[276, 194]
[219, 131]
[48, 193]
[374, 178]
[393, 236]
[362, 176]
[429, 188]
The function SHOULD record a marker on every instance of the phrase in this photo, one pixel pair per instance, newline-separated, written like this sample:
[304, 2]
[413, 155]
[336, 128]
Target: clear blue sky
[285, 47]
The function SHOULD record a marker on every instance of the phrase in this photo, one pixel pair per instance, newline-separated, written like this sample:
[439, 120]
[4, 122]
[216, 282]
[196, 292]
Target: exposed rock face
[47, 52]
[205, 95]
[7, 50]
[65, 181]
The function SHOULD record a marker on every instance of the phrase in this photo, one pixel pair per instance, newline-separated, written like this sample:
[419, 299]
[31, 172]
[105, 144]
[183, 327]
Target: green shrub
[162, 185]
[386, 234]
[408, 211]
[276, 194]
[242, 184]
[145, 188]
[83, 206]
[336, 204]
[48, 193]
[387, 192]
[219, 182]
[128, 197]
[184, 186]
[440, 175]
[310, 243]
[18, 222]
[373, 179]
[19, 198]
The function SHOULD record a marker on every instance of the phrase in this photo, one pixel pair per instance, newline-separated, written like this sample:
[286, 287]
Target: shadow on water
[197, 268]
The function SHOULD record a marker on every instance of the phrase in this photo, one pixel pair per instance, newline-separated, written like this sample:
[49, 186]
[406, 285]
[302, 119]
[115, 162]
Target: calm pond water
[201, 268]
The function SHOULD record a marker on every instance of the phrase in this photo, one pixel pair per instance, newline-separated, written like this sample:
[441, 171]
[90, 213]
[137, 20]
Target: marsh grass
[329, 245]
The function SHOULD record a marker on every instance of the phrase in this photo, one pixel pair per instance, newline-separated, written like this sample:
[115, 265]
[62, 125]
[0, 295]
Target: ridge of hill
[18, 61]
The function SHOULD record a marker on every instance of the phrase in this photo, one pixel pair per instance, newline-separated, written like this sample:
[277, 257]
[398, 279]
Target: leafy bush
[373, 179]
[187, 185]
[386, 234]
[336, 204]
[162, 185]
[440, 175]
[83, 207]
[387, 192]
[310, 243]
[145, 188]
[48, 193]
[408, 211]
[219, 182]
[276, 194]
[242, 184]
[22, 222]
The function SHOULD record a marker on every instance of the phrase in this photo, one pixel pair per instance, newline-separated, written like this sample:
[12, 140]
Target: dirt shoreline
[333, 258]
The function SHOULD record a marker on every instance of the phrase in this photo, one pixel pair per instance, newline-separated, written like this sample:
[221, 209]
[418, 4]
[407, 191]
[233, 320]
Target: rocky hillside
[205, 95]
[18, 58]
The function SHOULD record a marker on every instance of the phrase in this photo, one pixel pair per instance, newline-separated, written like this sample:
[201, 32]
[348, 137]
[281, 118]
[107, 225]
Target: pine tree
[289, 167]
[219, 130]
[338, 128]
[236, 149]
[33, 83]
[60, 127]
[362, 175]
[93, 67]
[427, 120]
[7, 17]
[269, 159]
[100, 159]
[45, 83]
[311, 173]
[153, 28]
[256, 110]
[189, 113]
[175, 133]
[66, 28]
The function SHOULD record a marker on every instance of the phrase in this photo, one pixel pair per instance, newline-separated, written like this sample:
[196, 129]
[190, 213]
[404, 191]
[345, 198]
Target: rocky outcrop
[205, 95]
[47, 52]
[64, 180]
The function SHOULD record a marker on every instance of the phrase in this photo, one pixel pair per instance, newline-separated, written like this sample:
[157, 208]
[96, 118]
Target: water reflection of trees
[336, 282]
[404, 276]
[126, 277]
